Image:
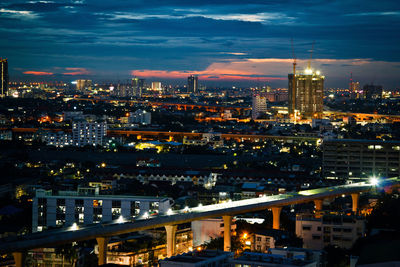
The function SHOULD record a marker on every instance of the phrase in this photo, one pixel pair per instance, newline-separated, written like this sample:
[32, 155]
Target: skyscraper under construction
[3, 77]
[306, 94]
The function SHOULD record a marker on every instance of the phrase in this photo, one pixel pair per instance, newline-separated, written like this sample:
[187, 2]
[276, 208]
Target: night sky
[224, 42]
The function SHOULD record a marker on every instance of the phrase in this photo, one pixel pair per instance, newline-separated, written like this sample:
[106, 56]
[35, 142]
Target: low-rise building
[145, 248]
[58, 139]
[140, 116]
[205, 230]
[262, 241]
[202, 258]
[87, 206]
[339, 230]
[253, 259]
[88, 133]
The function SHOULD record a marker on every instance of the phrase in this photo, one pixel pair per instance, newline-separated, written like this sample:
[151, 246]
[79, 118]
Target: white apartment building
[262, 243]
[338, 230]
[204, 230]
[87, 207]
[88, 133]
[259, 106]
[140, 116]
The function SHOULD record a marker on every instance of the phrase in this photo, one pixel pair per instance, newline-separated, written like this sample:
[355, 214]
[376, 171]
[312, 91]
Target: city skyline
[224, 43]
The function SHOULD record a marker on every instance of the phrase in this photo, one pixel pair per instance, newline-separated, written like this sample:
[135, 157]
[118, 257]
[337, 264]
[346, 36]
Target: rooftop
[199, 256]
[269, 258]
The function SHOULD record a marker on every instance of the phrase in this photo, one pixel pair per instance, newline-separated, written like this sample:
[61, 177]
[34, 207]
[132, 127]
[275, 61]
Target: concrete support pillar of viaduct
[355, 197]
[19, 259]
[276, 217]
[102, 243]
[171, 231]
[318, 207]
[227, 232]
[318, 204]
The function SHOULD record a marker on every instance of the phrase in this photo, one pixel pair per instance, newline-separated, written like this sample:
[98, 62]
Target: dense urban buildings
[106, 157]
[83, 85]
[372, 91]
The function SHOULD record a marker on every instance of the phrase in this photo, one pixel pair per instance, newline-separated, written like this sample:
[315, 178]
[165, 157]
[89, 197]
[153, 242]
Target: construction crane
[293, 91]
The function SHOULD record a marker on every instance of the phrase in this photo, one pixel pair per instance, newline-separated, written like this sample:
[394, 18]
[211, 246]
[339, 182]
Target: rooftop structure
[202, 258]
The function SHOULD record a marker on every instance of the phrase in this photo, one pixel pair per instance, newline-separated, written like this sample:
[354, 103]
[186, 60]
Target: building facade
[306, 100]
[83, 85]
[372, 91]
[4, 77]
[57, 139]
[339, 230]
[156, 86]
[140, 116]
[204, 258]
[137, 86]
[253, 259]
[88, 133]
[68, 207]
[193, 84]
[259, 106]
[204, 230]
[351, 158]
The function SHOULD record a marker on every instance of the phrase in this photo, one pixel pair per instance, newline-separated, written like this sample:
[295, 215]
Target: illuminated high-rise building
[306, 100]
[82, 85]
[4, 77]
[193, 84]
[259, 105]
[137, 86]
[156, 86]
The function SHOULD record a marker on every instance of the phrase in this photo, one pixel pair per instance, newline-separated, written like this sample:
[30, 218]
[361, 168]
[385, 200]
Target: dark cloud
[113, 37]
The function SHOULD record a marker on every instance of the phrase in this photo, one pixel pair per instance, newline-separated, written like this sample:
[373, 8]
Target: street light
[120, 219]
[374, 181]
[74, 227]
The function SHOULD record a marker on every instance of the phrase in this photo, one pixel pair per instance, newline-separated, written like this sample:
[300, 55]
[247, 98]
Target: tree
[386, 214]
[68, 252]
[218, 244]
[336, 257]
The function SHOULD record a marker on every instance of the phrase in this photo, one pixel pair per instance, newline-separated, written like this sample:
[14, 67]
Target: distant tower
[307, 94]
[259, 105]
[193, 85]
[83, 85]
[156, 86]
[4, 77]
[137, 86]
